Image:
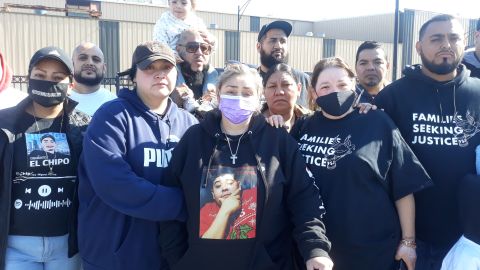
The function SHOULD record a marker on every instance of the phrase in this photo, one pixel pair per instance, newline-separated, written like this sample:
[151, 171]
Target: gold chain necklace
[50, 166]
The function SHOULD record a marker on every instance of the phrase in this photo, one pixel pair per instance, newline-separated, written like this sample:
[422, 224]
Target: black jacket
[289, 205]
[9, 132]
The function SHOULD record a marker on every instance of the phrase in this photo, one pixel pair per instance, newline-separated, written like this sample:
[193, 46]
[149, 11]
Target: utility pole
[240, 11]
[395, 41]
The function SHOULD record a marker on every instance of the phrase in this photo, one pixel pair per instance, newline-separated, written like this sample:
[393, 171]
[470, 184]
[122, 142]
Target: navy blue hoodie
[127, 148]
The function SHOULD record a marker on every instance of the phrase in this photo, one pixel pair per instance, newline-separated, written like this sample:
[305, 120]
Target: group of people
[265, 168]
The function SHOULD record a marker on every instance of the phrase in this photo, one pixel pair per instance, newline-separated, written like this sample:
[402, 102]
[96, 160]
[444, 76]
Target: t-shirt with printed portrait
[44, 178]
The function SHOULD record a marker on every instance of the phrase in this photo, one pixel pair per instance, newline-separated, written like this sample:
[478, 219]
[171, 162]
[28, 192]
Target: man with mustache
[371, 66]
[196, 78]
[89, 71]
[472, 56]
[273, 49]
[436, 107]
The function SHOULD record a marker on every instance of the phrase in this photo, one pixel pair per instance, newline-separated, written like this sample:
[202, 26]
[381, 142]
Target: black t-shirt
[441, 123]
[362, 166]
[43, 179]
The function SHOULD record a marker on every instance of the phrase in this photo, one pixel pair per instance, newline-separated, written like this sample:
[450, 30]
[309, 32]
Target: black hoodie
[288, 206]
[441, 123]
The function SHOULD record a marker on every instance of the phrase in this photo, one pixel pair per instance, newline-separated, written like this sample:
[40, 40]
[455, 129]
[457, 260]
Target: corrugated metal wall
[24, 34]
[151, 13]
[47, 3]
[471, 32]
[225, 21]
[131, 12]
[110, 45]
[304, 52]
[217, 59]
[347, 49]
[131, 34]
[300, 28]
[248, 45]
[388, 47]
[359, 28]
[68, 32]
[409, 35]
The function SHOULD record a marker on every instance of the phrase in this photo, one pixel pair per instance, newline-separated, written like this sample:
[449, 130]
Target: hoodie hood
[415, 72]
[132, 97]
[471, 58]
[211, 123]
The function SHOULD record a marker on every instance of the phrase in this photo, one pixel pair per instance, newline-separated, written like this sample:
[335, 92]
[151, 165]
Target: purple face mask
[237, 109]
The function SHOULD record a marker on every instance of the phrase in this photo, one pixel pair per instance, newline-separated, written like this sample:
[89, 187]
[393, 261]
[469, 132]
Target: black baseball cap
[148, 52]
[54, 53]
[283, 25]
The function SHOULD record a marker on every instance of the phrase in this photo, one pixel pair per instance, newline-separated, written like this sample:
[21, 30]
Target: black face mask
[337, 103]
[47, 93]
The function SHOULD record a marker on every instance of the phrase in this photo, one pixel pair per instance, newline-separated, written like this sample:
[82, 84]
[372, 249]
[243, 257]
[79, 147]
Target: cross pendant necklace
[233, 156]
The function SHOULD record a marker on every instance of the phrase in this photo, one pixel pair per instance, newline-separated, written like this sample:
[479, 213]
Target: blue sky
[327, 9]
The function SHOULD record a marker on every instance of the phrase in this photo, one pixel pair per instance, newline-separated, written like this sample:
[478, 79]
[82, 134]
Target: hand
[275, 121]
[232, 203]
[210, 95]
[319, 263]
[366, 107]
[184, 91]
[207, 37]
[408, 255]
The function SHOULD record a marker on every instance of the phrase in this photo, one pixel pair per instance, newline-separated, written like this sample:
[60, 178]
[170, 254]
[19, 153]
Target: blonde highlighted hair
[235, 70]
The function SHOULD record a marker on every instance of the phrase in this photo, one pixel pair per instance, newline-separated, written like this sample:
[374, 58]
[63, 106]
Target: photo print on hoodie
[228, 205]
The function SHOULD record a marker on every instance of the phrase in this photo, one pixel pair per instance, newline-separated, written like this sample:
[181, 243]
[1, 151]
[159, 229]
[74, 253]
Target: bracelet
[408, 243]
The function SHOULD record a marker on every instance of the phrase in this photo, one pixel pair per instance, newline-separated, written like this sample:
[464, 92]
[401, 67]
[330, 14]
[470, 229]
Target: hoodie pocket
[217, 254]
[139, 248]
[262, 260]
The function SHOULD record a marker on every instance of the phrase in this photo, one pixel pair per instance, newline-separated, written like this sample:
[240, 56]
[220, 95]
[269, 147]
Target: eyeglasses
[192, 47]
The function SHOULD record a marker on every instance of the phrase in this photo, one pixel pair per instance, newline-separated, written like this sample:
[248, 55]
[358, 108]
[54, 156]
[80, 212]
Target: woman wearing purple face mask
[365, 171]
[247, 193]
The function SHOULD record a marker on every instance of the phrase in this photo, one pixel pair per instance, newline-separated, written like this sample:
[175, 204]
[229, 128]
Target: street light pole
[395, 41]
[240, 11]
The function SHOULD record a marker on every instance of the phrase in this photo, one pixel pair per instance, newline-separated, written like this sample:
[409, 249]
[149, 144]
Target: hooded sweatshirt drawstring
[207, 174]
